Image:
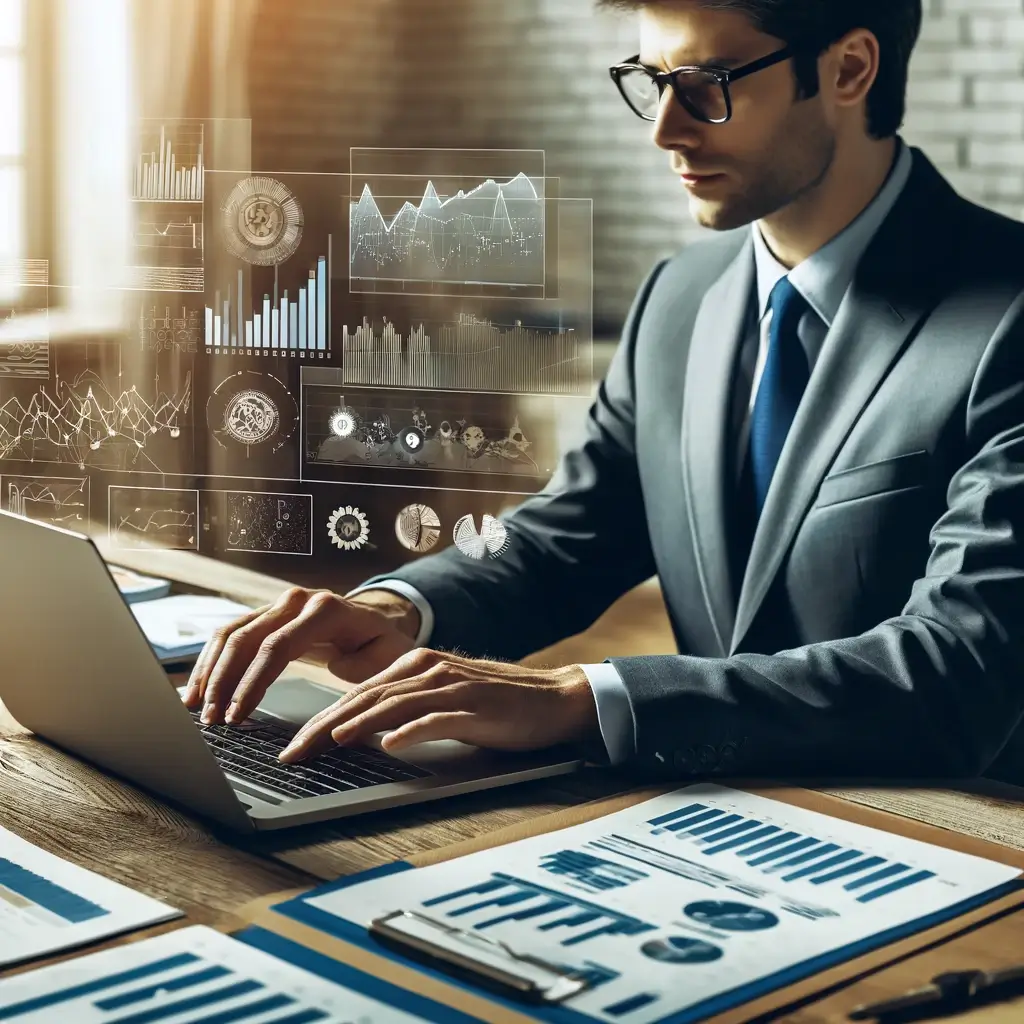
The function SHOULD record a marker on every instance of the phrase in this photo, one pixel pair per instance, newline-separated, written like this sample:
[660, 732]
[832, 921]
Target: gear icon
[348, 528]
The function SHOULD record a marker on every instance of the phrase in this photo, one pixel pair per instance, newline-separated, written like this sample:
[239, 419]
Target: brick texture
[328, 75]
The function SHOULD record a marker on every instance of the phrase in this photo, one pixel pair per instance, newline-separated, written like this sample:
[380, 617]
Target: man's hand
[429, 695]
[356, 639]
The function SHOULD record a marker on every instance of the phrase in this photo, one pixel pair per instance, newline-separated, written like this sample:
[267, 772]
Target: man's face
[773, 150]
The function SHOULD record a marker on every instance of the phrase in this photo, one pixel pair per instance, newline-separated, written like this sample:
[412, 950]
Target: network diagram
[366, 366]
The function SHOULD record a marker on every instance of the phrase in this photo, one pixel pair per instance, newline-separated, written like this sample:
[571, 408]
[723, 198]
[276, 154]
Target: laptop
[76, 669]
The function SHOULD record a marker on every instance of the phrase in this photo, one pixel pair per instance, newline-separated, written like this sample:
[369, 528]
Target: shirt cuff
[614, 711]
[406, 590]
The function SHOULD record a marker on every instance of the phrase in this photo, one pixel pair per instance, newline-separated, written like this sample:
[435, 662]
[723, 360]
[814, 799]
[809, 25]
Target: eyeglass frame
[724, 76]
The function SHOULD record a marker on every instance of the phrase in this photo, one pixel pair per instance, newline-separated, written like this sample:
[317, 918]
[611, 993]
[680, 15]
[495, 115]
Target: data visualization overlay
[444, 221]
[153, 517]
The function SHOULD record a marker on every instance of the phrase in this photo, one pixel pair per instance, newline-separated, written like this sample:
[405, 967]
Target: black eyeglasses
[701, 89]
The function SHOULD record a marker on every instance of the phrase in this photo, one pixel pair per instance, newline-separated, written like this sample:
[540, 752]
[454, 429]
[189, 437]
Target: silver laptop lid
[76, 669]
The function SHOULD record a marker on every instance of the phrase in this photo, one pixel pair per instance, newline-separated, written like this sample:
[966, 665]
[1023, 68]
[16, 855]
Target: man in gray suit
[812, 432]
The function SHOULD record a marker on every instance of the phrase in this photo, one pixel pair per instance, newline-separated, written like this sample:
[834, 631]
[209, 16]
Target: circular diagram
[491, 540]
[417, 528]
[262, 222]
[411, 440]
[251, 417]
[680, 950]
[344, 423]
[730, 917]
[348, 528]
[252, 410]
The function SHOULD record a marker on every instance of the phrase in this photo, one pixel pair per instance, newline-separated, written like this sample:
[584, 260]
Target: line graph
[153, 517]
[59, 501]
[93, 417]
[491, 234]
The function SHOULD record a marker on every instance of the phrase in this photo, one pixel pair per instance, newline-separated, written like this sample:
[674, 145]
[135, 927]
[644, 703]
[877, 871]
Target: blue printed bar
[770, 844]
[839, 858]
[877, 876]
[630, 1005]
[680, 826]
[803, 858]
[733, 844]
[43, 893]
[728, 833]
[155, 989]
[850, 869]
[900, 883]
[715, 826]
[683, 812]
[782, 851]
[88, 988]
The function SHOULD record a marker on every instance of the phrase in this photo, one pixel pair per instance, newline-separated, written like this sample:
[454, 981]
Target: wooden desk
[78, 813]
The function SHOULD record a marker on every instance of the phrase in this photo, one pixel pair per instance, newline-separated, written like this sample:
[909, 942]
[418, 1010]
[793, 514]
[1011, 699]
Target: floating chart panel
[448, 222]
[270, 288]
[54, 500]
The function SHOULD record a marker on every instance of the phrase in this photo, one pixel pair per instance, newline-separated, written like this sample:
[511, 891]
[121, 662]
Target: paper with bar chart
[196, 974]
[684, 905]
[48, 905]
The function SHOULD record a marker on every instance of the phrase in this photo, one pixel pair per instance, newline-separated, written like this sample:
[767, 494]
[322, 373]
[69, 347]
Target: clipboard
[446, 985]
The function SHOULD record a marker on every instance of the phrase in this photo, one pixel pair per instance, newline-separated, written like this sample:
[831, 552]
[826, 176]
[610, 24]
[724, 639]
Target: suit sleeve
[569, 556]
[934, 691]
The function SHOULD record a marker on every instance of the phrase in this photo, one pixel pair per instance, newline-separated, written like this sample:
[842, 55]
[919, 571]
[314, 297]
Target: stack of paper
[179, 627]
[48, 905]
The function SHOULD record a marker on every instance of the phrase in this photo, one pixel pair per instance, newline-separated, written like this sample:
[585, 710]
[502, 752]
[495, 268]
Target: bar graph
[470, 354]
[786, 855]
[296, 323]
[575, 922]
[36, 900]
[196, 975]
[594, 874]
[172, 170]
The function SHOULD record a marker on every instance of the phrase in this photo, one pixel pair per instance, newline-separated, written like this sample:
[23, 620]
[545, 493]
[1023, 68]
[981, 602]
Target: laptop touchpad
[296, 700]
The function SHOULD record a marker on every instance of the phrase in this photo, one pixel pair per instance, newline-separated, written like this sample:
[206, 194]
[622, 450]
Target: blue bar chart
[786, 854]
[594, 874]
[574, 922]
[36, 899]
[198, 976]
[289, 323]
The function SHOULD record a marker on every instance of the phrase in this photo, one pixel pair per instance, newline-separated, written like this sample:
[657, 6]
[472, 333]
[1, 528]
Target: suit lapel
[715, 344]
[891, 292]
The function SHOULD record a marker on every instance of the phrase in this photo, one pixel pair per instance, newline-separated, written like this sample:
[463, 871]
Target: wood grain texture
[77, 812]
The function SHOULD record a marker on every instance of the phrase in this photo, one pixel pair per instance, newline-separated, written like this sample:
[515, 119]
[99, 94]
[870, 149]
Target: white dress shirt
[823, 279]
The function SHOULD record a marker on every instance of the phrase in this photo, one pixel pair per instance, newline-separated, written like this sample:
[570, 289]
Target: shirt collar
[824, 277]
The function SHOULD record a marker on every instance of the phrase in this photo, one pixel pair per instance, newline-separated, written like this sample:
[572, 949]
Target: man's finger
[240, 647]
[439, 725]
[196, 687]
[315, 624]
[388, 714]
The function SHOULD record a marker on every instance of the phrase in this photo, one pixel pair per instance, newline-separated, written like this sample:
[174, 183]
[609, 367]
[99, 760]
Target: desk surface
[103, 824]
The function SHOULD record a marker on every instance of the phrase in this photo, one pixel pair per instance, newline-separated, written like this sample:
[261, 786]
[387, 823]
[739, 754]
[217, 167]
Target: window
[12, 146]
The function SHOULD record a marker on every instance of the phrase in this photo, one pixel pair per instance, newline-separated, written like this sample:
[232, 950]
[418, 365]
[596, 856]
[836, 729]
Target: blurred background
[291, 86]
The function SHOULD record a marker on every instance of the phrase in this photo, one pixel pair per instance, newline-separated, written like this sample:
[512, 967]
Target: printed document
[685, 904]
[194, 974]
[48, 905]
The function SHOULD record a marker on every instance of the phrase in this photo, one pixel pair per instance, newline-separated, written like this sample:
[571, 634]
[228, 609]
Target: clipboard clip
[478, 958]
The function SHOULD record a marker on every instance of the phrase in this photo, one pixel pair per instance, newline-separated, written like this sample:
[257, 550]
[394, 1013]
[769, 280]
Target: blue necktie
[783, 382]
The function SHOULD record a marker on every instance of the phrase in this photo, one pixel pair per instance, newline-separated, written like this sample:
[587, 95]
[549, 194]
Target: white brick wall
[531, 74]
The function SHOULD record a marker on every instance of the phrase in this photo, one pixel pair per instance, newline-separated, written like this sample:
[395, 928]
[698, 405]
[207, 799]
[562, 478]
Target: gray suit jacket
[876, 628]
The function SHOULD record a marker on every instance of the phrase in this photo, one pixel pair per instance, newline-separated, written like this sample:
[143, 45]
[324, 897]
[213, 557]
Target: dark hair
[812, 26]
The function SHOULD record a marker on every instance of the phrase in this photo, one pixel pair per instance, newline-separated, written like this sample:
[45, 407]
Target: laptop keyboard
[250, 751]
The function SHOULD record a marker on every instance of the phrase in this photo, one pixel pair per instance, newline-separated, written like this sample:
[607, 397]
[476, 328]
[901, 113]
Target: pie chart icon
[417, 528]
[678, 949]
[730, 917]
